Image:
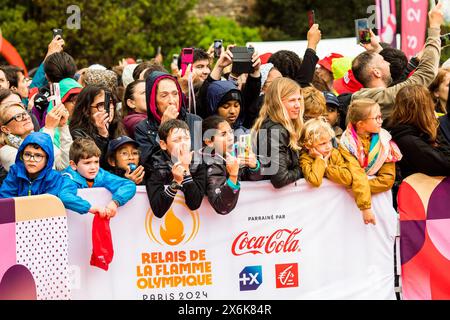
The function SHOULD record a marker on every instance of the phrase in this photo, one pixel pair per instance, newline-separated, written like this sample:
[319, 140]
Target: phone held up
[311, 18]
[187, 58]
[57, 32]
[218, 44]
[362, 31]
[242, 60]
[107, 102]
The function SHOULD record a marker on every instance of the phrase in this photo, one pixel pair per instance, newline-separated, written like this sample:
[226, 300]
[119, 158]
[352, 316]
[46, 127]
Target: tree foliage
[112, 29]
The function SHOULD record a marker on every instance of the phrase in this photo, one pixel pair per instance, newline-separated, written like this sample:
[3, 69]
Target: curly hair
[313, 130]
[287, 62]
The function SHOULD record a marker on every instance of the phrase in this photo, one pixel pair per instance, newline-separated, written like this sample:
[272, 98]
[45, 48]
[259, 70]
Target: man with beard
[373, 72]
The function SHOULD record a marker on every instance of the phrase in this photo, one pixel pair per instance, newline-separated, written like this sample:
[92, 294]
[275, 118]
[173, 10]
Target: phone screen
[55, 93]
[362, 31]
[311, 18]
[245, 145]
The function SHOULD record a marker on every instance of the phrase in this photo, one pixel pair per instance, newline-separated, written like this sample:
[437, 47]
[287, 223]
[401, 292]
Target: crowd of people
[365, 122]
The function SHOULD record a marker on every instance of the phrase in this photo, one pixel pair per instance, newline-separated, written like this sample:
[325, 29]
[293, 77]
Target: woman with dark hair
[134, 108]
[416, 131]
[91, 120]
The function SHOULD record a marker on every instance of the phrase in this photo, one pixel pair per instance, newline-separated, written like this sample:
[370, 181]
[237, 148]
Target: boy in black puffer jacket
[171, 168]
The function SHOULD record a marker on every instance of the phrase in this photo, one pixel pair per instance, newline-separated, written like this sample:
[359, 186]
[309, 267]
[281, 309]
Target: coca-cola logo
[282, 240]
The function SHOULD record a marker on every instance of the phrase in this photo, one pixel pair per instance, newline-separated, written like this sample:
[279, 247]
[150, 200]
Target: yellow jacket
[315, 169]
[363, 187]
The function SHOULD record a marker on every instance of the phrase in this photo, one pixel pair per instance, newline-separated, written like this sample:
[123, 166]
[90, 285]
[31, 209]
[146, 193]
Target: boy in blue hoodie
[85, 172]
[32, 174]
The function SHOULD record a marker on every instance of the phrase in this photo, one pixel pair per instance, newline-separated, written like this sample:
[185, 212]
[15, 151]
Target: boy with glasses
[32, 174]
[123, 157]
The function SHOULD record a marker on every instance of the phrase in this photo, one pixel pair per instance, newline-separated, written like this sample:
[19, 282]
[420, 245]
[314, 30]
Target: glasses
[37, 157]
[126, 156]
[377, 118]
[18, 117]
[99, 106]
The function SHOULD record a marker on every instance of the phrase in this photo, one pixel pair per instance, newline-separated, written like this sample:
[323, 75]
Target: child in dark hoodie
[32, 174]
[225, 100]
[164, 102]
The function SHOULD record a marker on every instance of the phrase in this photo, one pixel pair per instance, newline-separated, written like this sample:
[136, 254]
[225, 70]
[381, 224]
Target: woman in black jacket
[416, 131]
[278, 130]
[91, 120]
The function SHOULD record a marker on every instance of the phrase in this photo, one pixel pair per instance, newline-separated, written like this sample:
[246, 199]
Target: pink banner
[386, 21]
[414, 20]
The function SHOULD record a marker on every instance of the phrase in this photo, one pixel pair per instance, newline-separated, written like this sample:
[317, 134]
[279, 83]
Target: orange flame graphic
[173, 233]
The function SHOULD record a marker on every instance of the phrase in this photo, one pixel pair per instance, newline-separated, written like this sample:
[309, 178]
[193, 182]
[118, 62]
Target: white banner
[297, 242]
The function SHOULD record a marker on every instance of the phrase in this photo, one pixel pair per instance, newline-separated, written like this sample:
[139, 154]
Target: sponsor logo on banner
[286, 275]
[280, 241]
[250, 278]
[179, 225]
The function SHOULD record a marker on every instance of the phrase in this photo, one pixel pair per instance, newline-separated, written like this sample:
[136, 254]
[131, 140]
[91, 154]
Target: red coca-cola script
[282, 240]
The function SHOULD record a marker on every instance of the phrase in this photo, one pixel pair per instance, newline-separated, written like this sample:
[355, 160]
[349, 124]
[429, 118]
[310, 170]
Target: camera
[242, 60]
[217, 48]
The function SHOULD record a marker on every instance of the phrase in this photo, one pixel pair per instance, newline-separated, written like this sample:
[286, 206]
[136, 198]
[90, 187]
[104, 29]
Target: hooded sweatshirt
[217, 90]
[146, 132]
[18, 184]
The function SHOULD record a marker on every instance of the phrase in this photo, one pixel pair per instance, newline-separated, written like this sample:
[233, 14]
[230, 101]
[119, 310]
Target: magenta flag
[414, 22]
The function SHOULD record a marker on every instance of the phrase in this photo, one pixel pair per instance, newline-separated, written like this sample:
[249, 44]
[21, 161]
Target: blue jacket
[122, 189]
[17, 183]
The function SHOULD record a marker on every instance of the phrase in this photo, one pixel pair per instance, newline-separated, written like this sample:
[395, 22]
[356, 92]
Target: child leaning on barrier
[85, 172]
[171, 168]
[368, 151]
[224, 168]
[318, 158]
[32, 173]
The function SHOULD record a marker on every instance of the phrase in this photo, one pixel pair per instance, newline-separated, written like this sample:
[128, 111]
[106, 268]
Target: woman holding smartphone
[93, 119]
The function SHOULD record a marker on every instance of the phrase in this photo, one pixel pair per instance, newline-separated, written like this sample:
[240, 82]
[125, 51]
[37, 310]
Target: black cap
[233, 94]
[118, 142]
[331, 99]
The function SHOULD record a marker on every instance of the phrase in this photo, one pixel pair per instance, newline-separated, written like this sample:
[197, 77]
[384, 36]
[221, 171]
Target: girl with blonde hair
[318, 158]
[277, 132]
[369, 151]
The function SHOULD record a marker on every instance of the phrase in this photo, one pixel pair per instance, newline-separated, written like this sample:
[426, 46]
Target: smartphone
[311, 18]
[242, 60]
[107, 102]
[244, 145]
[218, 48]
[55, 93]
[175, 59]
[187, 57]
[57, 32]
[362, 31]
[158, 50]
